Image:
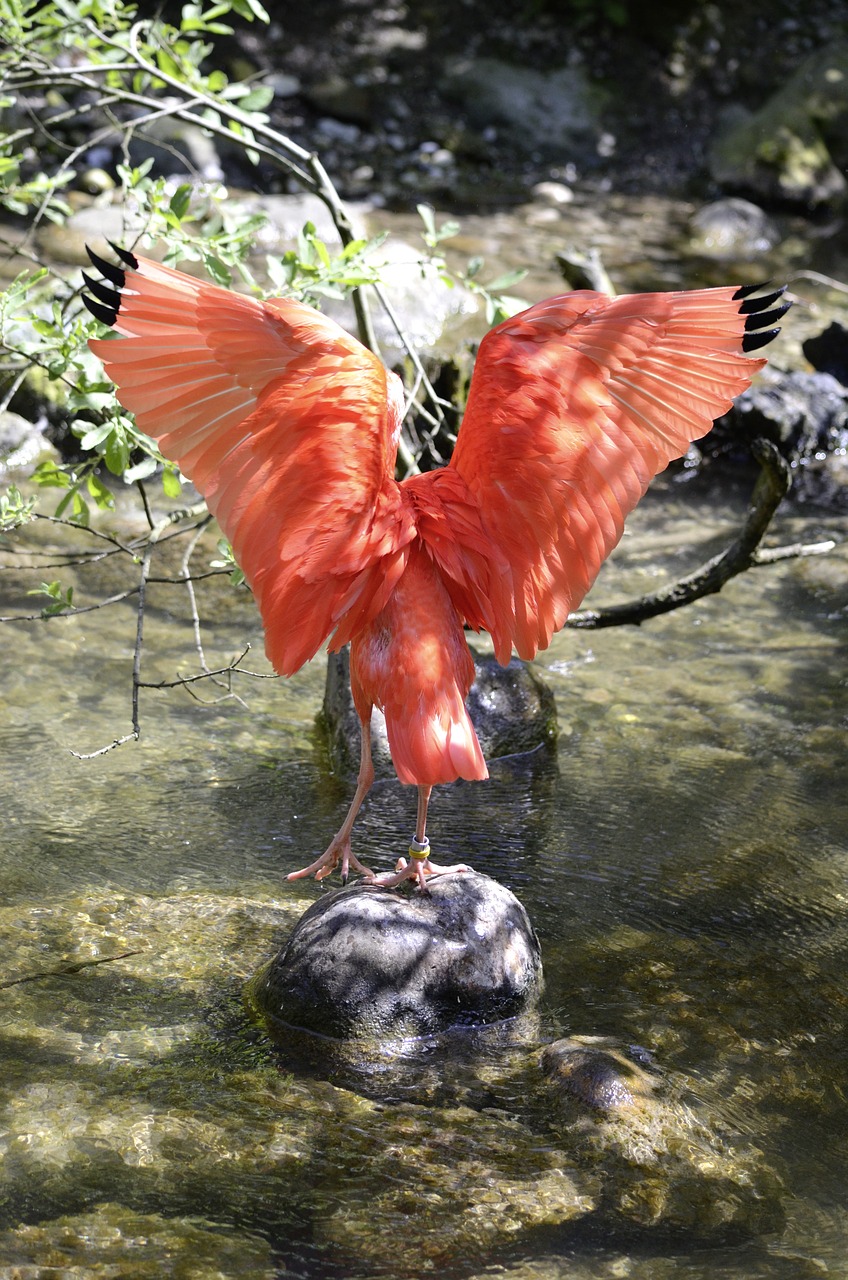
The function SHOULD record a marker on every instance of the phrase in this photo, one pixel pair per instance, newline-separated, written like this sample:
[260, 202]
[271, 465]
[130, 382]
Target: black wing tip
[760, 319]
[753, 341]
[102, 291]
[745, 290]
[751, 305]
[760, 312]
[106, 315]
[106, 303]
[129, 259]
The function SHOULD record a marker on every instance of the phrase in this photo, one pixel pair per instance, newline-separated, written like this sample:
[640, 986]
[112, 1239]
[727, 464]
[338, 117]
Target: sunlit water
[684, 860]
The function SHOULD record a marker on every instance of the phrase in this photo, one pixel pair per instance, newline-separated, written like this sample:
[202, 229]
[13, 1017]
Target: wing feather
[575, 405]
[288, 427]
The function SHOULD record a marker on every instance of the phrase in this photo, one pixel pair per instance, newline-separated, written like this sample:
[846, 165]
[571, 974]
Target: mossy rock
[792, 149]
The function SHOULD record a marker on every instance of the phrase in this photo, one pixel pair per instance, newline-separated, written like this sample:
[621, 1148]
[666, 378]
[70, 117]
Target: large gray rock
[827, 351]
[806, 416]
[373, 963]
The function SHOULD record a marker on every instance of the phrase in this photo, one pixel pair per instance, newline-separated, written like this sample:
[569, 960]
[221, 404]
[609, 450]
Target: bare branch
[772, 485]
[233, 667]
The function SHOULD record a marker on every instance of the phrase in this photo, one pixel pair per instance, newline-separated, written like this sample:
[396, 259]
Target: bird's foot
[419, 867]
[338, 851]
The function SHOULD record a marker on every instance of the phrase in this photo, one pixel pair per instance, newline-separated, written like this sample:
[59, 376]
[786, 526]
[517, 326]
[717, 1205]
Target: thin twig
[232, 668]
[67, 968]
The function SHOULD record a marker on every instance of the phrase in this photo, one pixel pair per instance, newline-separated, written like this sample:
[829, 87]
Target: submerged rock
[367, 962]
[512, 710]
[112, 1240]
[595, 1071]
[666, 1163]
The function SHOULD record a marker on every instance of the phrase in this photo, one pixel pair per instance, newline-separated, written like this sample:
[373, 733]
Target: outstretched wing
[575, 405]
[288, 427]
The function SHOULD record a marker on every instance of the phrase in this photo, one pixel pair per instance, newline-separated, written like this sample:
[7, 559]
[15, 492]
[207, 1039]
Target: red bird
[289, 428]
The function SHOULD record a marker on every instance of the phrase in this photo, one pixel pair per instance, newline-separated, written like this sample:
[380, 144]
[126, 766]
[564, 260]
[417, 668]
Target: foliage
[76, 75]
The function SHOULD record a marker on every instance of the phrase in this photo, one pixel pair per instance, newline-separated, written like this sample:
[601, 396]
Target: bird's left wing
[288, 427]
[575, 404]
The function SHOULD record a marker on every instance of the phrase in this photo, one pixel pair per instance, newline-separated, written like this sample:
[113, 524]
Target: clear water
[684, 861]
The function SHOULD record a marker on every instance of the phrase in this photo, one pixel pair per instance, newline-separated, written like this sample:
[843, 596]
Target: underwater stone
[119, 1242]
[594, 1071]
[666, 1159]
[369, 962]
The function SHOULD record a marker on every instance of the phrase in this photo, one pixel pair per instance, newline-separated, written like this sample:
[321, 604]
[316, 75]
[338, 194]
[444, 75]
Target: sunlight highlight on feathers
[289, 428]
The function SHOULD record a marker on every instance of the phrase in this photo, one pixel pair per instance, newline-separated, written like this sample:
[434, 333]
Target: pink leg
[339, 846]
[419, 865]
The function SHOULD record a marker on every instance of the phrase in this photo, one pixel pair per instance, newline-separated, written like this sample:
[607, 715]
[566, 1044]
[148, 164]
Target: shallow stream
[684, 860]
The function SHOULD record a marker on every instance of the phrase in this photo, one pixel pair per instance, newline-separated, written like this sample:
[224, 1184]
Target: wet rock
[665, 1162]
[465, 1185]
[372, 963]
[511, 708]
[584, 269]
[732, 229]
[806, 416]
[597, 1073]
[827, 351]
[513, 711]
[553, 194]
[792, 148]
[550, 110]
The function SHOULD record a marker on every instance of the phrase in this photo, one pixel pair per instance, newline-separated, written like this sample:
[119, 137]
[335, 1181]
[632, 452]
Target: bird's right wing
[288, 427]
[575, 404]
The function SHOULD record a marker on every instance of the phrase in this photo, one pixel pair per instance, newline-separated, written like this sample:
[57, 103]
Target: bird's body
[289, 428]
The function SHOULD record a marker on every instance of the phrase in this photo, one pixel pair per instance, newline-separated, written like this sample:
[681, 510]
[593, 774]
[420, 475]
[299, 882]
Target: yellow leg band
[419, 850]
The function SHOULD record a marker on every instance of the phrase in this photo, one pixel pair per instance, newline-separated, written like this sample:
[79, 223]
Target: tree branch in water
[772, 486]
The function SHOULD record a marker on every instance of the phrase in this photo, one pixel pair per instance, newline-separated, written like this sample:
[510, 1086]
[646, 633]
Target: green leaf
[250, 9]
[257, 99]
[140, 471]
[427, 216]
[506, 281]
[180, 201]
[95, 436]
[49, 476]
[219, 272]
[171, 485]
[116, 452]
[102, 496]
[60, 600]
[15, 509]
